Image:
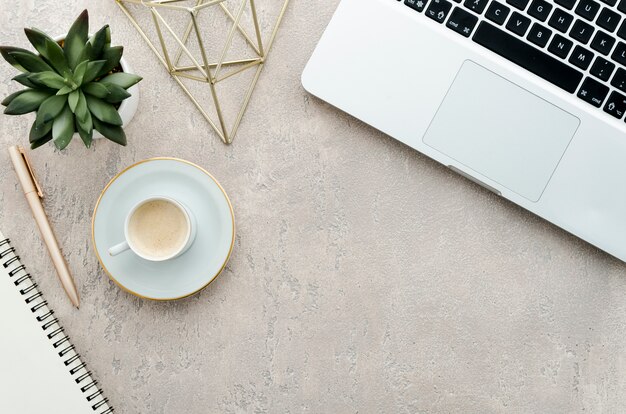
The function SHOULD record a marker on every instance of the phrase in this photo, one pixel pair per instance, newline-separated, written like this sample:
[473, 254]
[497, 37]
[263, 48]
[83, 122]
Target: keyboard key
[622, 6]
[622, 30]
[477, 6]
[518, 24]
[608, 19]
[619, 80]
[497, 12]
[587, 9]
[561, 20]
[416, 4]
[568, 4]
[520, 4]
[581, 57]
[602, 42]
[609, 2]
[560, 46]
[539, 35]
[593, 92]
[602, 69]
[462, 22]
[616, 105]
[619, 54]
[528, 57]
[581, 31]
[540, 9]
[438, 10]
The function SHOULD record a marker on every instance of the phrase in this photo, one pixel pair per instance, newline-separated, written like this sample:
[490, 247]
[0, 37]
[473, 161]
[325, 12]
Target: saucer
[197, 190]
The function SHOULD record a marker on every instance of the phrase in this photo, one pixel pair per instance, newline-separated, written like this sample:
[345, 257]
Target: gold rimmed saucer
[207, 200]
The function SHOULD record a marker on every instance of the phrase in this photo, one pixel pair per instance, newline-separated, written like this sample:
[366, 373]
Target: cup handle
[119, 248]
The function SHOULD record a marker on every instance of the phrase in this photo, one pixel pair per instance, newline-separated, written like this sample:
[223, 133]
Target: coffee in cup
[157, 229]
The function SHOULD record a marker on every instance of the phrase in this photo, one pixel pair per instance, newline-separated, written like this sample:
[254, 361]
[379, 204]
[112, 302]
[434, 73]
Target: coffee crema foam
[158, 228]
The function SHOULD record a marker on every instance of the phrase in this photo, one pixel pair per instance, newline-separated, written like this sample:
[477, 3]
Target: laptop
[524, 97]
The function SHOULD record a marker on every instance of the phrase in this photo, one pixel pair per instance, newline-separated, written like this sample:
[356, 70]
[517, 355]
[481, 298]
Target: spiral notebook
[40, 371]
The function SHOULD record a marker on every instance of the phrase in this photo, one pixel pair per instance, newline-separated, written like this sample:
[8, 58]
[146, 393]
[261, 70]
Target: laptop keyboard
[577, 45]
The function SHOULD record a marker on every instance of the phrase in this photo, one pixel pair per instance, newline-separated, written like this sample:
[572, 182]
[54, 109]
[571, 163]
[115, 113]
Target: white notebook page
[33, 377]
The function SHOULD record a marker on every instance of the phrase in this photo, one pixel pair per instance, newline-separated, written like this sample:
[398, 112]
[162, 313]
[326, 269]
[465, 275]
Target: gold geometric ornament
[214, 49]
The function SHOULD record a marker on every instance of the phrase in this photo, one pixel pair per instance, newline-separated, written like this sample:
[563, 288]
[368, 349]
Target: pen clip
[30, 171]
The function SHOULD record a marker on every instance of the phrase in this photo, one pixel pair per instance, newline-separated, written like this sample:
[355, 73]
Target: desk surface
[365, 277]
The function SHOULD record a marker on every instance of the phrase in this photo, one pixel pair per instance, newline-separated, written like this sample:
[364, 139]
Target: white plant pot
[128, 107]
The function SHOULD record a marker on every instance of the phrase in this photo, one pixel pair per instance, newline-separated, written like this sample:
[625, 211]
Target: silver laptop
[525, 97]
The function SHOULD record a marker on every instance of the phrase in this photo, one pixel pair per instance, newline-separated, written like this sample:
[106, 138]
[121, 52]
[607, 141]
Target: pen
[33, 195]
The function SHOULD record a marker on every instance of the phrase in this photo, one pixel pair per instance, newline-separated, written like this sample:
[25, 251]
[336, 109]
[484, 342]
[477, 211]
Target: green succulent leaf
[65, 90]
[81, 111]
[39, 131]
[72, 100]
[26, 102]
[112, 55]
[85, 130]
[31, 62]
[103, 111]
[37, 38]
[56, 57]
[48, 48]
[6, 101]
[107, 40]
[23, 79]
[87, 137]
[50, 79]
[93, 70]
[79, 72]
[116, 93]
[76, 39]
[97, 89]
[50, 109]
[6, 54]
[63, 128]
[96, 43]
[111, 132]
[45, 139]
[87, 52]
[122, 79]
[86, 122]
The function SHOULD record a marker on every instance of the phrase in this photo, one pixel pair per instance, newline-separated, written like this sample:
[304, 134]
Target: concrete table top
[365, 277]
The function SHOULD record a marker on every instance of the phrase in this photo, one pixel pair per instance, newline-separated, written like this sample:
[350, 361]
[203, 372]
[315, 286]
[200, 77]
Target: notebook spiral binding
[53, 330]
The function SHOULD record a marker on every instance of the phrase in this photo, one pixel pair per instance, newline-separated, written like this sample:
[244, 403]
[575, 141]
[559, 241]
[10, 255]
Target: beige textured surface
[365, 277]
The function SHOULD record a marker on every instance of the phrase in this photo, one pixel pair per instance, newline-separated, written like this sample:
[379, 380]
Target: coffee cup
[157, 229]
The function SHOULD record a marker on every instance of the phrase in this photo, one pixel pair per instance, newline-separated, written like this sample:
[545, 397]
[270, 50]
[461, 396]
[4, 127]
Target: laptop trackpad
[501, 131]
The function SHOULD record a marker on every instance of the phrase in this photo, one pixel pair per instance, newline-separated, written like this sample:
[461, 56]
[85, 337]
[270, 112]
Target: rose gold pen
[33, 194]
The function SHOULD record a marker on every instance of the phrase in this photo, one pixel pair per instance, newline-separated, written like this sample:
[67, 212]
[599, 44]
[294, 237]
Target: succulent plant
[73, 85]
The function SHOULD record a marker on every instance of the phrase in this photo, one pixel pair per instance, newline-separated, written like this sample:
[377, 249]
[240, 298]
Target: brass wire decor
[201, 68]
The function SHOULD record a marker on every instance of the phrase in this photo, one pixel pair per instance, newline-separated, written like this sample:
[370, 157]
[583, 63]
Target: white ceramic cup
[128, 244]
